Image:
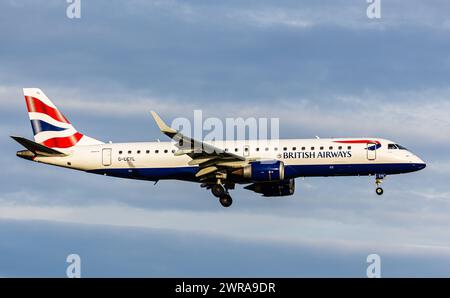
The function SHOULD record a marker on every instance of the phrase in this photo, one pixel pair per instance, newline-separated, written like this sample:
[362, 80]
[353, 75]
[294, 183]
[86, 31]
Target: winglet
[162, 125]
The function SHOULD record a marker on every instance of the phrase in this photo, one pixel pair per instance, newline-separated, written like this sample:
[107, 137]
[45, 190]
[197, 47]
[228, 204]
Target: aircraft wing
[209, 158]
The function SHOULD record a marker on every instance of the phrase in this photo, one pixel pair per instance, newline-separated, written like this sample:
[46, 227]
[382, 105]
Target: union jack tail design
[50, 127]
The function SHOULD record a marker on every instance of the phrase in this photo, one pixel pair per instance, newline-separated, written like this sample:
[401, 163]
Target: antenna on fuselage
[317, 137]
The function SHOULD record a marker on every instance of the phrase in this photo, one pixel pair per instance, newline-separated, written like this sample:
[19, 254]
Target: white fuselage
[301, 157]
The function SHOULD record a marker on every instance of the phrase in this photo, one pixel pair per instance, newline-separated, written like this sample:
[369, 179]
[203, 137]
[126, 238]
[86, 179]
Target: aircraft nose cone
[419, 163]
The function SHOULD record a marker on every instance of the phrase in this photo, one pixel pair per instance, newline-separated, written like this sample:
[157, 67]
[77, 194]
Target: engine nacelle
[274, 189]
[259, 171]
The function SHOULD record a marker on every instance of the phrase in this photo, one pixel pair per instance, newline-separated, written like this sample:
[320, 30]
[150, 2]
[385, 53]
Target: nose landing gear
[378, 180]
[379, 191]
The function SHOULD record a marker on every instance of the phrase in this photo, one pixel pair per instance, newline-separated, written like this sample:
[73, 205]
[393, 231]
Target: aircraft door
[106, 156]
[371, 151]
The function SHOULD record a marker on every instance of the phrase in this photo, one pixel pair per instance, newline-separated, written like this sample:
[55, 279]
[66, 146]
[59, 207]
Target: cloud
[431, 195]
[303, 15]
[439, 167]
[273, 18]
[374, 113]
[122, 251]
[323, 69]
[289, 229]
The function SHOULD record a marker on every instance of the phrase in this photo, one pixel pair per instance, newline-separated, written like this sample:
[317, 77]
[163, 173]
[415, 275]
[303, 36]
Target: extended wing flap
[199, 161]
[206, 171]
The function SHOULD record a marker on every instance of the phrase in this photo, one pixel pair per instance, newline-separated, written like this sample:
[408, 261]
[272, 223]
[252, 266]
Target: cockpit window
[392, 146]
[396, 146]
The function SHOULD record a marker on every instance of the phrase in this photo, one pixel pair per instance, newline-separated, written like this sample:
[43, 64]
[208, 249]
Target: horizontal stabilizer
[37, 148]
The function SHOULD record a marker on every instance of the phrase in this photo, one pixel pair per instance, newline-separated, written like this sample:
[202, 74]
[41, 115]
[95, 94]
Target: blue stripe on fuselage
[291, 171]
[350, 169]
[152, 174]
[39, 125]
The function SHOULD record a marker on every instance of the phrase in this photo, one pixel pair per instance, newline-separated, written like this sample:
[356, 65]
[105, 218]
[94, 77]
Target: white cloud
[430, 195]
[346, 14]
[407, 115]
[232, 224]
[441, 167]
[267, 18]
[114, 105]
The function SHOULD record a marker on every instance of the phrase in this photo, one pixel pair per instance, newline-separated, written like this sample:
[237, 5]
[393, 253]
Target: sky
[323, 68]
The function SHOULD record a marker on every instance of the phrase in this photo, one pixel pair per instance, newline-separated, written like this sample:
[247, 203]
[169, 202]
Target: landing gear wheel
[378, 180]
[218, 190]
[379, 191]
[226, 201]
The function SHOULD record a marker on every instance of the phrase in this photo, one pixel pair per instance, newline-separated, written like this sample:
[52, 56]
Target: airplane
[267, 167]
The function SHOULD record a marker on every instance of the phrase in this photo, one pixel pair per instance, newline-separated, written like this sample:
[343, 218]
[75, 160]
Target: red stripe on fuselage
[63, 142]
[37, 106]
[357, 141]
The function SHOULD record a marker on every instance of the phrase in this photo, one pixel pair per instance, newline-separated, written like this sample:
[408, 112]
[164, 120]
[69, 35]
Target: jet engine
[261, 171]
[274, 189]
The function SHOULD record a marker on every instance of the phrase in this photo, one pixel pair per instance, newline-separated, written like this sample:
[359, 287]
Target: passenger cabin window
[148, 151]
[257, 149]
[349, 147]
[120, 152]
[284, 148]
[331, 148]
[303, 148]
[340, 147]
[321, 148]
[156, 151]
[139, 152]
[312, 148]
[165, 151]
[129, 151]
[294, 148]
[267, 149]
[173, 150]
[276, 149]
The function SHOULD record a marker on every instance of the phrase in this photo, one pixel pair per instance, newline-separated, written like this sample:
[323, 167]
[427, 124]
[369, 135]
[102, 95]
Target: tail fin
[50, 127]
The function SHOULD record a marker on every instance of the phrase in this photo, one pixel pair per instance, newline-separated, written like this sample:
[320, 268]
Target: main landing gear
[226, 200]
[219, 191]
[378, 180]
